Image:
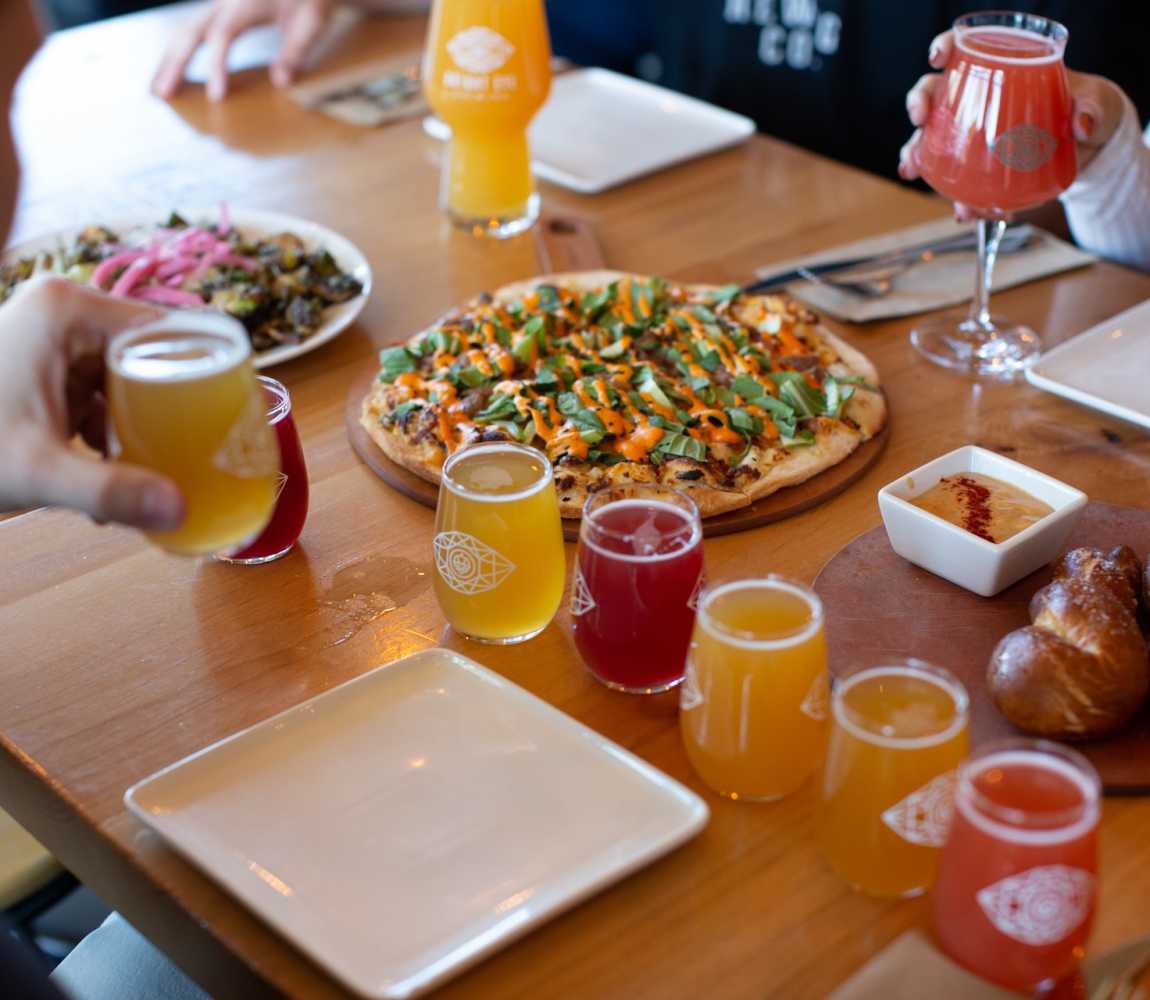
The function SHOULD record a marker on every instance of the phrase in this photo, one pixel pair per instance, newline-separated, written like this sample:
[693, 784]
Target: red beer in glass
[290, 512]
[637, 575]
[999, 136]
[1017, 880]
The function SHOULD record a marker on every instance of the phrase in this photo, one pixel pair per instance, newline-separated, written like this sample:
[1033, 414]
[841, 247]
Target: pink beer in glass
[290, 511]
[1017, 879]
[637, 576]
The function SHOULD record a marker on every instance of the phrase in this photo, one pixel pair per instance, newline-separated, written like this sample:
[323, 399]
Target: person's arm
[1108, 206]
[221, 22]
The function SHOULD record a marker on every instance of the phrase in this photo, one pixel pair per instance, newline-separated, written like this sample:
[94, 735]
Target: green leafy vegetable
[548, 297]
[648, 385]
[800, 439]
[590, 427]
[744, 422]
[501, 407]
[793, 389]
[707, 357]
[682, 445]
[615, 350]
[594, 303]
[725, 295]
[394, 362]
[471, 377]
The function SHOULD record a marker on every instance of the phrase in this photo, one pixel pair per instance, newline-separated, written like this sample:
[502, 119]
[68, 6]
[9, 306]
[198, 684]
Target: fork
[875, 279]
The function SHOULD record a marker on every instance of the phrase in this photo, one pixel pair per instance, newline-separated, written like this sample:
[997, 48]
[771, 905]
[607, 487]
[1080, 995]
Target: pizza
[623, 379]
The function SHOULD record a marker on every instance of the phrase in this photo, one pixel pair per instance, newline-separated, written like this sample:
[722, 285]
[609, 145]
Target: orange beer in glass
[183, 400]
[753, 704]
[1018, 880]
[897, 734]
[487, 71]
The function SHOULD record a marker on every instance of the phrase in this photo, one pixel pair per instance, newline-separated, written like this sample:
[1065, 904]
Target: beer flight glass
[638, 571]
[487, 71]
[897, 735]
[1018, 878]
[753, 705]
[290, 511]
[498, 546]
[183, 400]
[999, 140]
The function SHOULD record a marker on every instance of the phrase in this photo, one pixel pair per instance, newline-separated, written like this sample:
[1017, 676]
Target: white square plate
[403, 825]
[599, 129]
[1105, 368]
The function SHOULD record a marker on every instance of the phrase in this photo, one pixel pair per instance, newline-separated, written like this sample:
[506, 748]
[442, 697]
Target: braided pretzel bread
[1081, 669]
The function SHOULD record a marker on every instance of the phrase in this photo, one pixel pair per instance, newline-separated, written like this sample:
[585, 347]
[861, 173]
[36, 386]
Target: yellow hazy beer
[753, 706]
[498, 543]
[487, 71]
[184, 401]
[898, 733]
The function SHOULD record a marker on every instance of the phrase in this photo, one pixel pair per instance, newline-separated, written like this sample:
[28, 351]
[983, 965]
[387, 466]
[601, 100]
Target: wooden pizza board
[785, 503]
[879, 607]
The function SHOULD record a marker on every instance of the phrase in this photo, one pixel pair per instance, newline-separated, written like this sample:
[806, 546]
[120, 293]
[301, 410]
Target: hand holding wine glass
[998, 139]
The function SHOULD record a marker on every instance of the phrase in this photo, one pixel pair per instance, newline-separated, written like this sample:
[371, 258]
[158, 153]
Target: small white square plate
[403, 825]
[599, 129]
[1105, 368]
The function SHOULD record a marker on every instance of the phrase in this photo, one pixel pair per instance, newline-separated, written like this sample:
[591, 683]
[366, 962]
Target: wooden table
[118, 660]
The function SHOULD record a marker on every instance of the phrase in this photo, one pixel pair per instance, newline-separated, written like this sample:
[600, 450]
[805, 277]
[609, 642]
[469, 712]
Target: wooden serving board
[785, 503]
[879, 607]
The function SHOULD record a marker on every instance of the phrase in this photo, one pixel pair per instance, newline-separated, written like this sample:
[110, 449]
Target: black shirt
[832, 75]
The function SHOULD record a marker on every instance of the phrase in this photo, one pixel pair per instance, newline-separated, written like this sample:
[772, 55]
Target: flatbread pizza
[622, 378]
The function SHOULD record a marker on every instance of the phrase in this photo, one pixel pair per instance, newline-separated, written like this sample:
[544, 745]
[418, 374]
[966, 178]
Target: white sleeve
[1108, 206]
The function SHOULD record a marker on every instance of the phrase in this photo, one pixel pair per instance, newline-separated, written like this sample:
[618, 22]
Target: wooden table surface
[117, 659]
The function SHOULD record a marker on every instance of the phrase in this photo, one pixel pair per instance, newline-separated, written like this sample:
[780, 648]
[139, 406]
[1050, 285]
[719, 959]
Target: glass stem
[989, 234]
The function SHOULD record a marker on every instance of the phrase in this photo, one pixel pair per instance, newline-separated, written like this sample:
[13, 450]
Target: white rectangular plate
[403, 825]
[599, 129]
[1105, 368]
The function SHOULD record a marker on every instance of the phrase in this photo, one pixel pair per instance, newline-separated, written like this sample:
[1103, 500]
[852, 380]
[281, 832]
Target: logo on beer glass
[244, 451]
[690, 696]
[1025, 147]
[467, 565]
[480, 50]
[581, 599]
[1039, 906]
[923, 817]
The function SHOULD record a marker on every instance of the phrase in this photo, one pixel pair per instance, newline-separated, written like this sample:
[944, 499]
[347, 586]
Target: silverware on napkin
[892, 261]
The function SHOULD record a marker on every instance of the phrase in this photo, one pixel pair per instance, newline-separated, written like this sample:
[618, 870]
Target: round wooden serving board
[785, 503]
[879, 608]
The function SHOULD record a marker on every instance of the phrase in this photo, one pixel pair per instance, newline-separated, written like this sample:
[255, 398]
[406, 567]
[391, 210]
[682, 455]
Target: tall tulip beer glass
[897, 735]
[753, 706]
[499, 563]
[998, 140]
[637, 575]
[183, 400]
[1017, 883]
[486, 72]
[290, 512]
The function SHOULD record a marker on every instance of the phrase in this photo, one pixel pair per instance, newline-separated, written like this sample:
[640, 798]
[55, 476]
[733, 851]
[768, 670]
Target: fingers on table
[170, 73]
[301, 29]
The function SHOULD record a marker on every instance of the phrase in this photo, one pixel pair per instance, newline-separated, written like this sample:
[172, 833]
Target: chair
[31, 879]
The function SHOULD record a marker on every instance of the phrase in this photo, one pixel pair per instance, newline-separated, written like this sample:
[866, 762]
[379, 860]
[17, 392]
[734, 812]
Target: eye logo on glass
[923, 817]
[581, 599]
[693, 600]
[480, 50]
[467, 565]
[1039, 906]
[243, 452]
[817, 702]
[1025, 147]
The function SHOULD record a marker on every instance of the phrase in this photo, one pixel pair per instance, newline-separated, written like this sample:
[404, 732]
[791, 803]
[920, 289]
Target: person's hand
[52, 338]
[1097, 111]
[300, 21]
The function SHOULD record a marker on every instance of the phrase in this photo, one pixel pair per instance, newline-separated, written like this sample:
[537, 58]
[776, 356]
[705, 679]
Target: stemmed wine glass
[998, 140]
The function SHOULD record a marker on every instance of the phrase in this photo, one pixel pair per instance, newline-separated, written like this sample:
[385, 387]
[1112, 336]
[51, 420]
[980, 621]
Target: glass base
[998, 349]
[736, 797]
[615, 686]
[510, 640]
[499, 227]
[257, 560]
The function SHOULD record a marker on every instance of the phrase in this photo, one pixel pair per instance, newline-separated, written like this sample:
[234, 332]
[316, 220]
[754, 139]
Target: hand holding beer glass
[183, 400]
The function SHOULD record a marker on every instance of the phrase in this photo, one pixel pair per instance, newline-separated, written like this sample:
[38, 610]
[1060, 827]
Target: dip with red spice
[983, 505]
